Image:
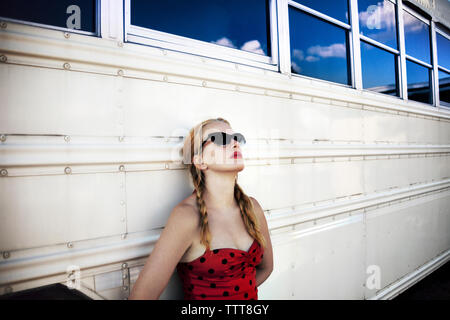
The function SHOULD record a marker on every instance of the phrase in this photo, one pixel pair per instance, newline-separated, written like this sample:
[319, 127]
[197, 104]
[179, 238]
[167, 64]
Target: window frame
[335, 22]
[430, 66]
[436, 66]
[396, 52]
[96, 33]
[423, 19]
[396, 59]
[164, 40]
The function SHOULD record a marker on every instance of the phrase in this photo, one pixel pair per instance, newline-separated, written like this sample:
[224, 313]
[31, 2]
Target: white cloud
[379, 16]
[296, 67]
[382, 16]
[334, 50]
[412, 24]
[311, 58]
[298, 54]
[224, 41]
[253, 46]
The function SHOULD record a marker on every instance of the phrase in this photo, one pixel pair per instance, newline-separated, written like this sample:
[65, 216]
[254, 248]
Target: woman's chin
[234, 166]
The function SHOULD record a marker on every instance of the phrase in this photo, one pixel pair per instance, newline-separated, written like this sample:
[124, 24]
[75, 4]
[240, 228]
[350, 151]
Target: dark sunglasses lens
[239, 138]
[218, 138]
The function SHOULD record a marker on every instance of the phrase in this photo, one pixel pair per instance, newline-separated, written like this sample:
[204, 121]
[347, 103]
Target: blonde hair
[193, 146]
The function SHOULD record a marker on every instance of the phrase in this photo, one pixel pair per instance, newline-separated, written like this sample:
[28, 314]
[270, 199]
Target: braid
[199, 188]
[248, 214]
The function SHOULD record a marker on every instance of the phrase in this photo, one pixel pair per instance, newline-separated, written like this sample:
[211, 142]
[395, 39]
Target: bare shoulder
[258, 209]
[189, 201]
[185, 212]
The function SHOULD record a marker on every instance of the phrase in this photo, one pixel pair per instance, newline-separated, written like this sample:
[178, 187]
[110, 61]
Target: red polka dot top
[222, 274]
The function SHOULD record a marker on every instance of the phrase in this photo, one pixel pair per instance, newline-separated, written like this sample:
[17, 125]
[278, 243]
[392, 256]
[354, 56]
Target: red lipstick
[237, 154]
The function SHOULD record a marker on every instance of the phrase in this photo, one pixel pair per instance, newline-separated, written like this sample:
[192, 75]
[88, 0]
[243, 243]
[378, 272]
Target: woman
[217, 238]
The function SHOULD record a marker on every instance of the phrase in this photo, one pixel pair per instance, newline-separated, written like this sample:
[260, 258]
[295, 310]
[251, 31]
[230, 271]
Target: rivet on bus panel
[3, 58]
[120, 72]
[67, 138]
[3, 137]
[3, 172]
[68, 170]
[66, 66]
[121, 167]
[69, 245]
[6, 255]
[66, 35]
[124, 265]
[3, 25]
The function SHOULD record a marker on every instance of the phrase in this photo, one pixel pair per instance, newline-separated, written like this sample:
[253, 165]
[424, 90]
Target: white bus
[344, 104]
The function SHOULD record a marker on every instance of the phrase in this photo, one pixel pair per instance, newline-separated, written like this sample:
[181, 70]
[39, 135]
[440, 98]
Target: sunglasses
[222, 139]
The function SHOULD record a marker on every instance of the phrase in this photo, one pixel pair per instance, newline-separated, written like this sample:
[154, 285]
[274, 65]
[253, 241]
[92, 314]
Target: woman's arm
[262, 275]
[173, 242]
[265, 268]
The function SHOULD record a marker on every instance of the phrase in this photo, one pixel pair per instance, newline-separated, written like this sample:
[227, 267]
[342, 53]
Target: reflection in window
[417, 37]
[70, 14]
[337, 9]
[418, 82]
[236, 24]
[377, 21]
[443, 51]
[371, 60]
[444, 86]
[320, 54]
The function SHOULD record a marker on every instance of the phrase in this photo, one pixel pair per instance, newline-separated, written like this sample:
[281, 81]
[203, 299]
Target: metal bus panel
[53, 209]
[49, 101]
[402, 237]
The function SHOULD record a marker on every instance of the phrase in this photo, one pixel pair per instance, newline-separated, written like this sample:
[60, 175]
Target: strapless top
[222, 274]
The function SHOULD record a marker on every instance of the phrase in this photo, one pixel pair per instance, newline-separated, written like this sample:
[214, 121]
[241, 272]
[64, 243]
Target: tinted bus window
[318, 49]
[371, 60]
[69, 14]
[238, 24]
[377, 21]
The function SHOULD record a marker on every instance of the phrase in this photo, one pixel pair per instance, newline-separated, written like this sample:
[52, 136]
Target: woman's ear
[198, 163]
